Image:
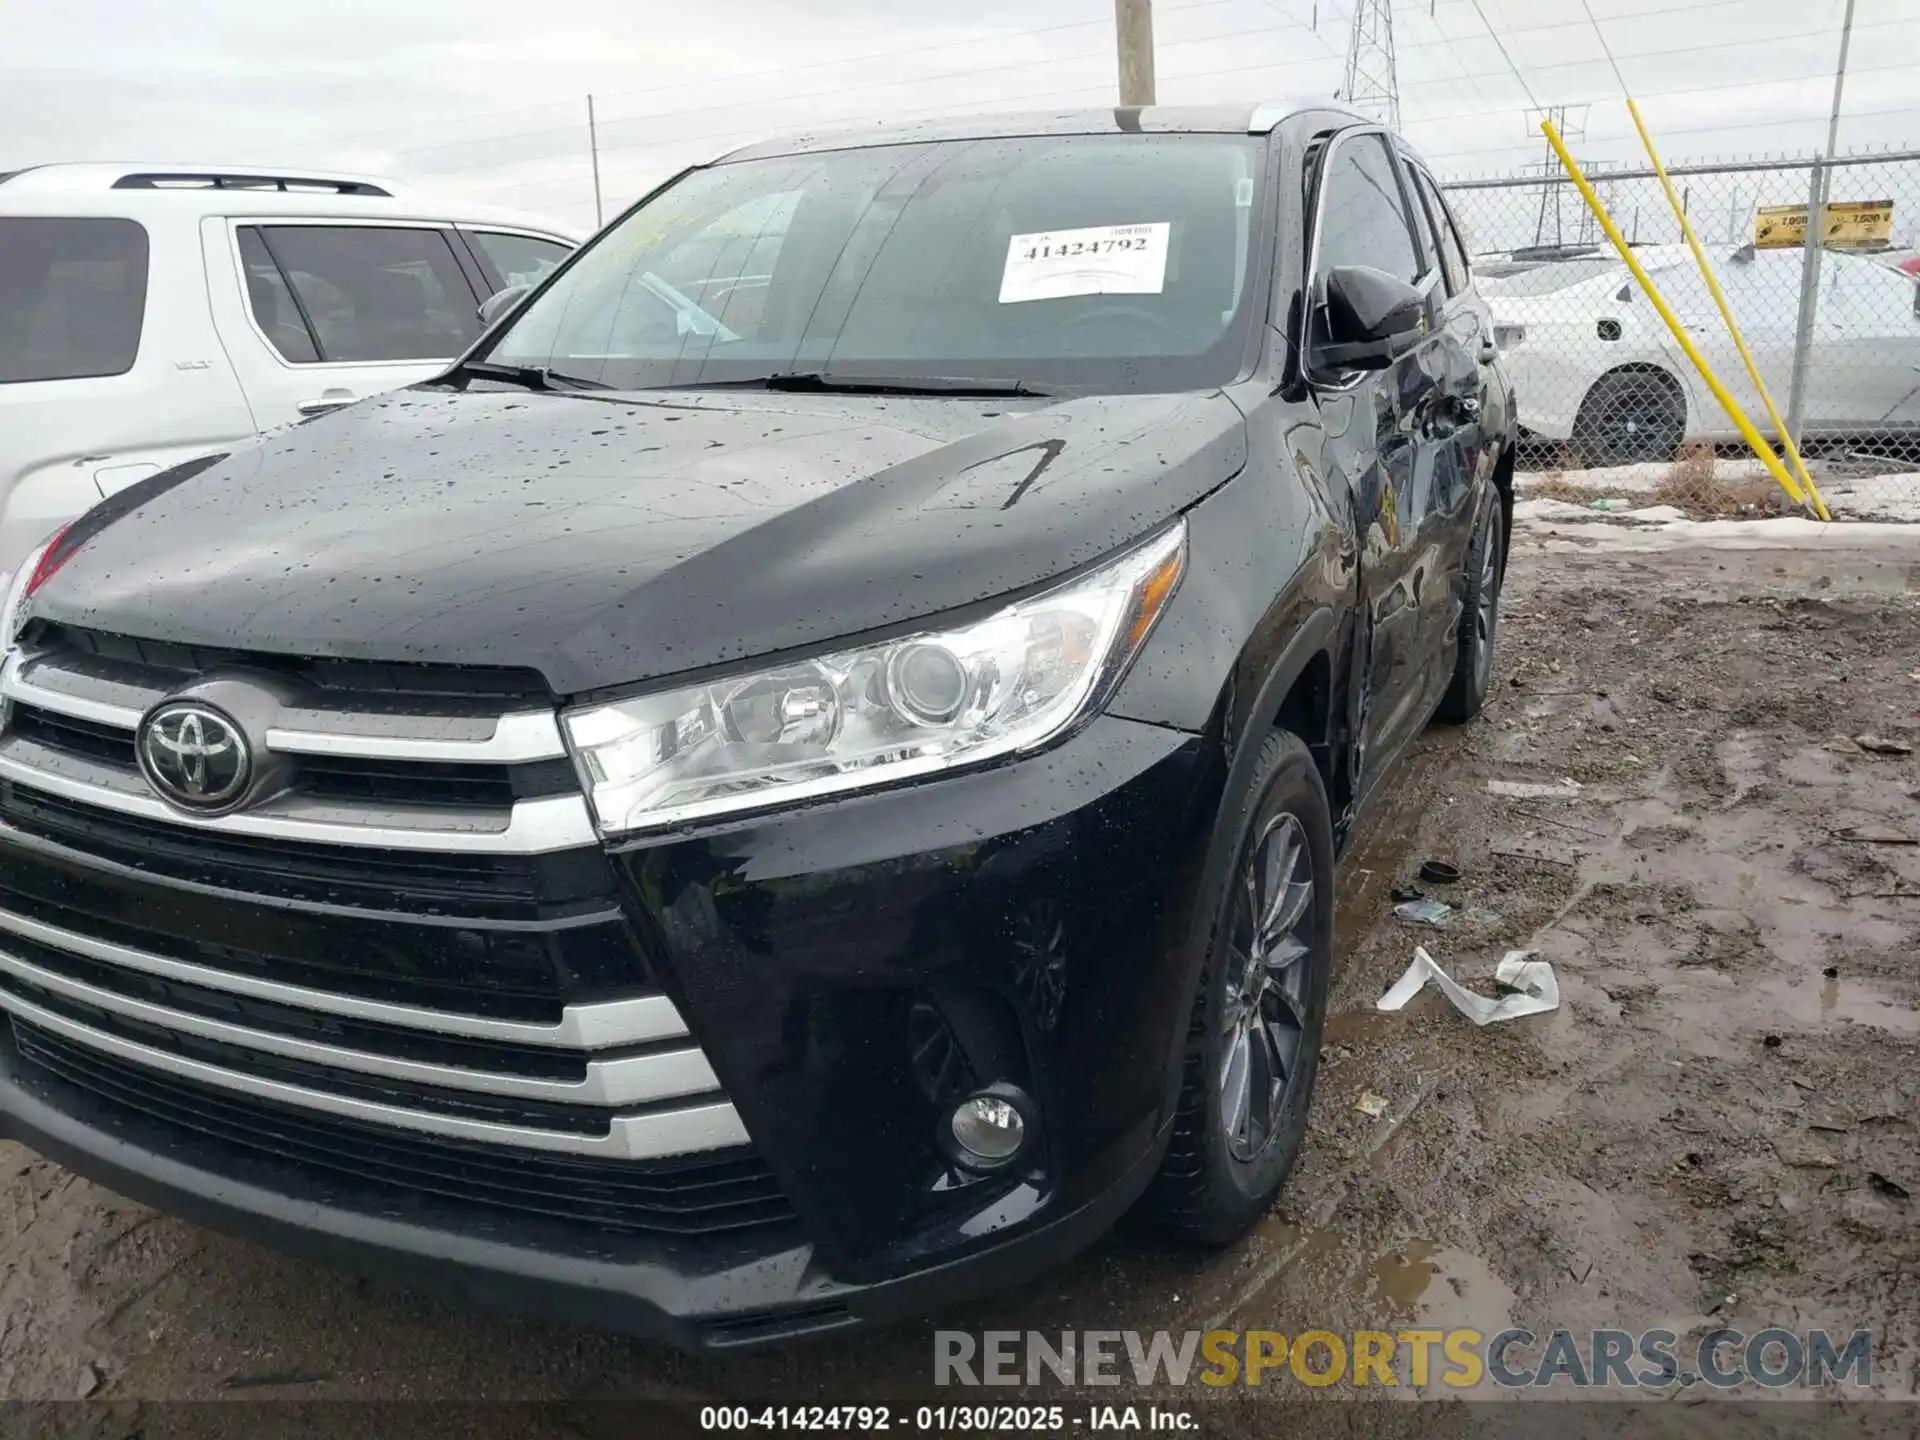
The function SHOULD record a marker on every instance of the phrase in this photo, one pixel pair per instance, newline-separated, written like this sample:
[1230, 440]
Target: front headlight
[878, 714]
[13, 592]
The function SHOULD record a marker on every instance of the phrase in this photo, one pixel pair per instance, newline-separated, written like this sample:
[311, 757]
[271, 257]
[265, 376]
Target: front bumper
[1040, 910]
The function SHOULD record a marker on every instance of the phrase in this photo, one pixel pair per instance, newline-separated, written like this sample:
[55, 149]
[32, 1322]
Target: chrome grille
[419, 931]
[618, 1078]
[712, 1193]
[397, 775]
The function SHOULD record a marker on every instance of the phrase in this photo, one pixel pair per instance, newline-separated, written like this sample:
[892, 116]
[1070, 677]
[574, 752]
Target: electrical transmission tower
[1571, 123]
[1372, 85]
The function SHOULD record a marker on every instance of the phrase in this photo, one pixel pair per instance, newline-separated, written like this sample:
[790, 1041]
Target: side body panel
[65, 444]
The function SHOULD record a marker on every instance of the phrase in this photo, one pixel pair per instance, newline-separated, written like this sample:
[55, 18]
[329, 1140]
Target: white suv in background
[151, 314]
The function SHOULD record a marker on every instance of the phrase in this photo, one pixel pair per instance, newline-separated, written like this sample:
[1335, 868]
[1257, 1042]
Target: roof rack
[210, 180]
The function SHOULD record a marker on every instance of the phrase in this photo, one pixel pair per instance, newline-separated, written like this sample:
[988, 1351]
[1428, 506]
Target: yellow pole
[1679, 331]
[1812, 496]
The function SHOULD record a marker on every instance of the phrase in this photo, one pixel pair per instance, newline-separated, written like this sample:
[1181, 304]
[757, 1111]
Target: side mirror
[498, 303]
[1368, 319]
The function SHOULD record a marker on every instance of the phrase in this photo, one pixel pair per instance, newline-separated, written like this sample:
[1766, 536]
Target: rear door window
[360, 292]
[73, 294]
[519, 259]
[1453, 255]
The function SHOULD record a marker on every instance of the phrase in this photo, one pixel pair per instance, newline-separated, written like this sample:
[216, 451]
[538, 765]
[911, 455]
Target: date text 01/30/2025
[941, 1419]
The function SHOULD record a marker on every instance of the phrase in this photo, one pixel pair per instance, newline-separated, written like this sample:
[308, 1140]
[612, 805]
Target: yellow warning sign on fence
[1850, 225]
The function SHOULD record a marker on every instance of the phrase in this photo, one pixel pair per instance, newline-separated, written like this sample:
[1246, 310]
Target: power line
[1313, 30]
[1606, 48]
[708, 81]
[1505, 56]
[913, 80]
[1053, 92]
[1715, 47]
[1472, 78]
[1459, 60]
[1729, 128]
[1690, 90]
[854, 122]
[1444, 41]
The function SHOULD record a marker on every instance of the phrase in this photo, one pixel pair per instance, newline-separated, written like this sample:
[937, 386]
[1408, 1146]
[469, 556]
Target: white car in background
[1594, 366]
[150, 314]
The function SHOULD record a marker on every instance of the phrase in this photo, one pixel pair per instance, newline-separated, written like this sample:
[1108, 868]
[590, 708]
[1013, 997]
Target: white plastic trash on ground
[1536, 991]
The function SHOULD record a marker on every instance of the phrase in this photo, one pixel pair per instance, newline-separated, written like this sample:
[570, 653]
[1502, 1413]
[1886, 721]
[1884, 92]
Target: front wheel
[1479, 622]
[1253, 1045]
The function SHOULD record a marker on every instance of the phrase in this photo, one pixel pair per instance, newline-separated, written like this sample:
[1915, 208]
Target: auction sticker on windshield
[1099, 260]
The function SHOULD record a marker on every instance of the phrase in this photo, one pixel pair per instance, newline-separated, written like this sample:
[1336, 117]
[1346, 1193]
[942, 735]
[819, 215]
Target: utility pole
[1133, 33]
[593, 149]
[1372, 85]
[1815, 243]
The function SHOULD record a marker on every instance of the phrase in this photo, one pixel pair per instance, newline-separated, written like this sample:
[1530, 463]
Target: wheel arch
[1299, 690]
[1661, 373]
[1503, 473]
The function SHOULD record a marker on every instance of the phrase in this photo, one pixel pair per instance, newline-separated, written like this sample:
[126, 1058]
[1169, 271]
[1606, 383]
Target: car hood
[602, 542]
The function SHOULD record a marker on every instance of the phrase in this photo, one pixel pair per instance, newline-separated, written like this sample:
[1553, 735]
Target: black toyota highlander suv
[801, 778]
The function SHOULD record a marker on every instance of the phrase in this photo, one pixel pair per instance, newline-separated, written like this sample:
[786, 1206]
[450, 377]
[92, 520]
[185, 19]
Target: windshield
[1116, 262]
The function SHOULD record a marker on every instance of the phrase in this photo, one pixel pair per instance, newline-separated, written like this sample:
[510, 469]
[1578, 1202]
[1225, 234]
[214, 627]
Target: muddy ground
[1719, 1125]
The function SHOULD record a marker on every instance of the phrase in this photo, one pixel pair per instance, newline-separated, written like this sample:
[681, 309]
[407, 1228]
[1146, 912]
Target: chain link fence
[1614, 415]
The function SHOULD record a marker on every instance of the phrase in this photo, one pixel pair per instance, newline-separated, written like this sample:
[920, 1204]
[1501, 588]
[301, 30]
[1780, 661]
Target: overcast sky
[487, 97]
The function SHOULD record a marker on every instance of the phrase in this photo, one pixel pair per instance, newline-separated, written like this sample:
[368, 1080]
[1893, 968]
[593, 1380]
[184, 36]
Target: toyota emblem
[194, 756]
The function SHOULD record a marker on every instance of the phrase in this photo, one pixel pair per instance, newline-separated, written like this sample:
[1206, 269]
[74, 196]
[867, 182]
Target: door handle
[329, 400]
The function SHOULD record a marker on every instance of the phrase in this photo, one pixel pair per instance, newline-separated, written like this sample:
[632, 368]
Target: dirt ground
[1719, 1125]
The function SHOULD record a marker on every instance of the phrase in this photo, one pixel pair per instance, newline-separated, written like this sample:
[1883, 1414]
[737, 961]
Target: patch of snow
[1537, 509]
[1672, 530]
[1526, 509]
[1884, 497]
[1850, 497]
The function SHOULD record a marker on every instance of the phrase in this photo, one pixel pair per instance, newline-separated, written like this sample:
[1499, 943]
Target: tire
[1221, 1173]
[1630, 418]
[1479, 623]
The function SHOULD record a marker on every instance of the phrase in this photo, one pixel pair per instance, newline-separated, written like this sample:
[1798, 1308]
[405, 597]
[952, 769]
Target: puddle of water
[1438, 1287]
[1712, 1017]
[1840, 1000]
[1401, 1278]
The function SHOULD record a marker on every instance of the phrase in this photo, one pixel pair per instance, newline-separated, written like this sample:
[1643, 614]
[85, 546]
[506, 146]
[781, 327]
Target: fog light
[987, 1130]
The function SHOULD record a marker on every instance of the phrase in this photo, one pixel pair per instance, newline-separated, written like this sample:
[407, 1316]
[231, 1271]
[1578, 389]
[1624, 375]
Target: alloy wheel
[1264, 1009]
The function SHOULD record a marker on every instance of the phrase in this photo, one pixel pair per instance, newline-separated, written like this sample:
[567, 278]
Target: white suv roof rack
[223, 180]
[82, 177]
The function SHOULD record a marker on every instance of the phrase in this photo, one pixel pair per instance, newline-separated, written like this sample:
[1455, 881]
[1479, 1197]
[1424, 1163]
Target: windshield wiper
[530, 377]
[816, 382]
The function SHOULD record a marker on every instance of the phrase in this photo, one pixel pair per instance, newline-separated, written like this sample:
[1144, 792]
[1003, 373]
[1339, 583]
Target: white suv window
[73, 295]
[360, 292]
[520, 259]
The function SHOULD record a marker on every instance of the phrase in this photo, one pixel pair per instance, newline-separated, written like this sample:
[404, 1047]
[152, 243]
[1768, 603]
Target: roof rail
[210, 180]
